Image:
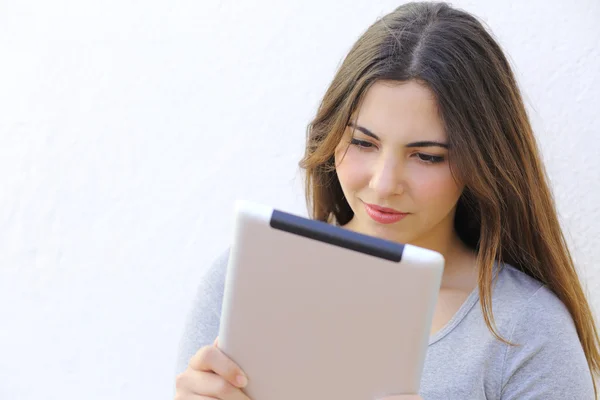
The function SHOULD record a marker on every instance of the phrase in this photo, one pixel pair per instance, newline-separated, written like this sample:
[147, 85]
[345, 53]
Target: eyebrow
[424, 143]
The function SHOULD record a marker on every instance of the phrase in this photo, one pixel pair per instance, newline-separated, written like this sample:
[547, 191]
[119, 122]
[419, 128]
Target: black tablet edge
[324, 232]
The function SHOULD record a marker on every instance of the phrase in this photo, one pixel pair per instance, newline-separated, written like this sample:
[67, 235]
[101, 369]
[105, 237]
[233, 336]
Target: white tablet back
[308, 319]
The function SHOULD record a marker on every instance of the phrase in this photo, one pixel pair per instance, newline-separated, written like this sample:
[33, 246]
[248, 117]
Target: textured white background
[128, 128]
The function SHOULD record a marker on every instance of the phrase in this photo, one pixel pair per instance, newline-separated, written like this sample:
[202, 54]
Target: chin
[395, 237]
[390, 232]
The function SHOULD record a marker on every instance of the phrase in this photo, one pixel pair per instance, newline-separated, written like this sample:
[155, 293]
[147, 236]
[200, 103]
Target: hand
[211, 375]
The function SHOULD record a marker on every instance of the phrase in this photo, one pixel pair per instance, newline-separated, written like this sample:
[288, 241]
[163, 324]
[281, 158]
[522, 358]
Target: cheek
[435, 186]
[352, 169]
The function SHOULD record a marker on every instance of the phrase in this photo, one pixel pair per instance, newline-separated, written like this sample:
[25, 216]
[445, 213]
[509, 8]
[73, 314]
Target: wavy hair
[506, 212]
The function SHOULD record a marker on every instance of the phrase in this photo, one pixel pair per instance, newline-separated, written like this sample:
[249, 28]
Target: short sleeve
[548, 361]
[202, 324]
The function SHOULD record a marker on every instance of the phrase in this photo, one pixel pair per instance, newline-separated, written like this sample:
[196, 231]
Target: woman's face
[394, 155]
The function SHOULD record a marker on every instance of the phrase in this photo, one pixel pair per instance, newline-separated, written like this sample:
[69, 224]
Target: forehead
[402, 110]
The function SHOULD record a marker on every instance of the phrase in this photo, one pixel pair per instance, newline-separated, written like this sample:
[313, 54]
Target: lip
[384, 215]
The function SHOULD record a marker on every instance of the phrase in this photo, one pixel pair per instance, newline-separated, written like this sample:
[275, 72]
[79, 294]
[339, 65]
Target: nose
[386, 179]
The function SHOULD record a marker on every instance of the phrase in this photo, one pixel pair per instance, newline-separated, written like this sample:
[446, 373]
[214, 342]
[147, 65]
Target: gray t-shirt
[464, 360]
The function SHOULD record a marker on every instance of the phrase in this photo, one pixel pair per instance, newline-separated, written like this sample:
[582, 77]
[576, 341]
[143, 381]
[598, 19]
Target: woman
[423, 138]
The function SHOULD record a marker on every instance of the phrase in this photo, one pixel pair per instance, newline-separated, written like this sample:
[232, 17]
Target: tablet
[315, 311]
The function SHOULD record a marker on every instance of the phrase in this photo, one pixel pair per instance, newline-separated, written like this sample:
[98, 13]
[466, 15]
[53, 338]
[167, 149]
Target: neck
[442, 238]
[460, 270]
[460, 267]
[460, 260]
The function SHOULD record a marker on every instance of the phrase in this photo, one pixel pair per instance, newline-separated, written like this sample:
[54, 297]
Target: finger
[402, 397]
[209, 385]
[188, 396]
[211, 359]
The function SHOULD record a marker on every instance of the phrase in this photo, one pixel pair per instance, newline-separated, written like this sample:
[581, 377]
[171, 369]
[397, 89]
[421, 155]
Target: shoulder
[538, 313]
[512, 283]
[203, 318]
[215, 274]
[516, 295]
[210, 288]
[530, 308]
[545, 346]
[212, 285]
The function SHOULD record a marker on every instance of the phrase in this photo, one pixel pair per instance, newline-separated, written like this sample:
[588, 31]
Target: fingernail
[241, 380]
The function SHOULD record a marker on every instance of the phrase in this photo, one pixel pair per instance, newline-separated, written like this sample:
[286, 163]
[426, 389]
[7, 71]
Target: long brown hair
[506, 212]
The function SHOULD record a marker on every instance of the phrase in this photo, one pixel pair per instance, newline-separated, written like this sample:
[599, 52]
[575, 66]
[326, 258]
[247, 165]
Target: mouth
[384, 215]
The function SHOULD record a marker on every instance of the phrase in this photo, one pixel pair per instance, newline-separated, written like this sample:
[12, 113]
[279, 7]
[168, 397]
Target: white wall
[128, 128]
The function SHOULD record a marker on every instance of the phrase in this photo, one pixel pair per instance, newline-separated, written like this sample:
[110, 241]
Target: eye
[429, 159]
[362, 144]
